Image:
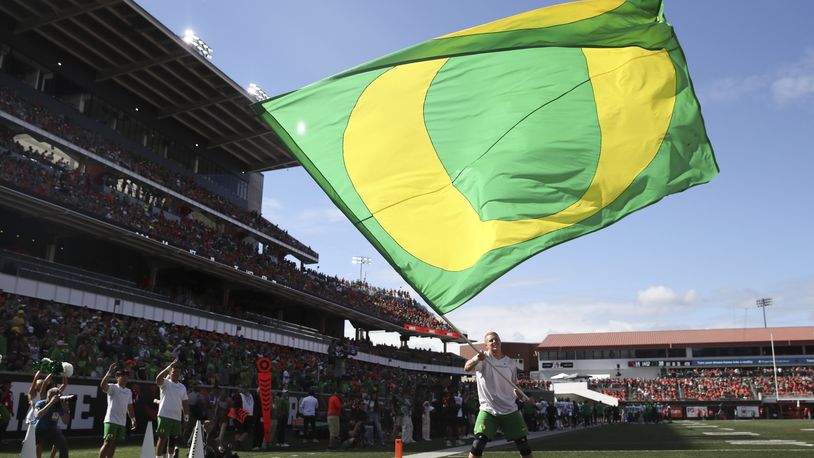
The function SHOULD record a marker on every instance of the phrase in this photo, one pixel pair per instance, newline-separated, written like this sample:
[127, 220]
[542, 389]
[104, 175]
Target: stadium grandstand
[130, 226]
[720, 367]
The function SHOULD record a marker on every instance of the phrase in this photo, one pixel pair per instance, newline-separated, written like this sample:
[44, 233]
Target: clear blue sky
[698, 259]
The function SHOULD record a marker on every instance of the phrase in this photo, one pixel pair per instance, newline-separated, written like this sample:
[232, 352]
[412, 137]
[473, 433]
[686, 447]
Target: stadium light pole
[774, 366]
[197, 44]
[255, 91]
[361, 260]
[763, 303]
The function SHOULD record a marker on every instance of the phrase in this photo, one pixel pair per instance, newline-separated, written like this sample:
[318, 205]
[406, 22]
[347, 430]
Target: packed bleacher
[137, 207]
[59, 125]
[713, 384]
[31, 329]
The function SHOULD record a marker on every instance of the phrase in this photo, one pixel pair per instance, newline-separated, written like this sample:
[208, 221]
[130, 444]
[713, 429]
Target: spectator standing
[308, 408]
[407, 420]
[6, 407]
[450, 418]
[197, 408]
[374, 417]
[425, 420]
[173, 408]
[334, 411]
[119, 403]
[280, 410]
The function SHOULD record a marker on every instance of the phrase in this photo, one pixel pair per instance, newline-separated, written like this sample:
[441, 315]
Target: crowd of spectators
[216, 366]
[182, 183]
[31, 329]
[145, 211]
[710, 384]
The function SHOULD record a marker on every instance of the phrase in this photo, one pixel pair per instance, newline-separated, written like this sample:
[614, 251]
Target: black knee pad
[523, 446]
[479, 444]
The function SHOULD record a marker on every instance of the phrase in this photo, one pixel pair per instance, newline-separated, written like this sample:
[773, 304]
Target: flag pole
[455, 328]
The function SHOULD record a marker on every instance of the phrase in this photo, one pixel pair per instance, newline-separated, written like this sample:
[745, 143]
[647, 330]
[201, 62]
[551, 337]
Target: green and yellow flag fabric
[463, 156]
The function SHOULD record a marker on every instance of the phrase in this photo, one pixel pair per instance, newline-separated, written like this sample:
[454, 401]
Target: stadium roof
[707, 337]
[121, 46]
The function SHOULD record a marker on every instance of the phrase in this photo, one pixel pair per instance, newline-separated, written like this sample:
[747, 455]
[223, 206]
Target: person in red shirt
[334, 410]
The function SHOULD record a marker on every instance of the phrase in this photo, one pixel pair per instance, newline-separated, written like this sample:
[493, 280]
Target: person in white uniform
[119, 407]
[496, 376]
[173, 408]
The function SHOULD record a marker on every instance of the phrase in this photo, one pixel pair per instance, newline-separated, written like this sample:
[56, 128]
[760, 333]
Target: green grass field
[759, 438]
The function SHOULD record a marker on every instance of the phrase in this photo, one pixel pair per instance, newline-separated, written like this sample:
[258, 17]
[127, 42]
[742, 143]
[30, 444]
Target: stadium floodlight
[763, 303]
[255, 91]
[197, 44]
[361, 260]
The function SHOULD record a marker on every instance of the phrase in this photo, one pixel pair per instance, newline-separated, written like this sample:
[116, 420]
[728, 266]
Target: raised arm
[51, 402]
[159, 379]
[64, 384]
[44, 386]
[103, 384]
[32, 389]
[472, 362]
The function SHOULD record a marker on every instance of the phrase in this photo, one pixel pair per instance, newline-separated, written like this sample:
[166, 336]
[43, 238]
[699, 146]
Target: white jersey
[496, 395]
[248, 403]
[118, 399]
[308, 406]
[171, 396]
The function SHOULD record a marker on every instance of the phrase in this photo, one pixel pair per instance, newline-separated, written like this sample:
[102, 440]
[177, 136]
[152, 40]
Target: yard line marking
[734, 433]
[770, 442]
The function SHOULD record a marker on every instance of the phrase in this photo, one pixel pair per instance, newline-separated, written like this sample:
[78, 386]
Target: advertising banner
[747, 411]
[696, 411]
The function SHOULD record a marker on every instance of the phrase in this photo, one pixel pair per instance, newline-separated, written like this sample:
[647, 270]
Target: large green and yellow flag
[463, 156]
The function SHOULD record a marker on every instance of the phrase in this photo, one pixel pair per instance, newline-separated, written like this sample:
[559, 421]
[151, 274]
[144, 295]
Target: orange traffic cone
[399, 447]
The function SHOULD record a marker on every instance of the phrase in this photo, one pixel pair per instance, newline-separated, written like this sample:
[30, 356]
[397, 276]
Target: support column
[51, 251]
[152, 281]
[226, 293]
[445, 346]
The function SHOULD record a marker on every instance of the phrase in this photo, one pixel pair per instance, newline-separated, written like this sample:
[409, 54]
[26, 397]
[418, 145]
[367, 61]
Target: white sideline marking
[807, 429]
[734, 433]
[725, 429]
[771, 442]
[702, 426]
[494, 443]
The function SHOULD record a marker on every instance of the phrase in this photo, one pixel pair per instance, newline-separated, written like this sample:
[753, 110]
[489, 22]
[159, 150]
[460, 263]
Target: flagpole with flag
[463, 156]
[523, 395]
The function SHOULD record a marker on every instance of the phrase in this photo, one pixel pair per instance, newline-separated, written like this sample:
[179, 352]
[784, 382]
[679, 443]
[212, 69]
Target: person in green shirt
[281, 411]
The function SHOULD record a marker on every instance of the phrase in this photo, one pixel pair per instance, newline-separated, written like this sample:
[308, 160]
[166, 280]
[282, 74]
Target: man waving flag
[461, 157]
